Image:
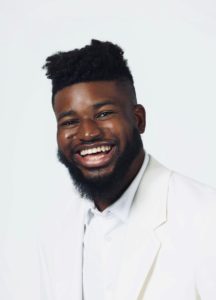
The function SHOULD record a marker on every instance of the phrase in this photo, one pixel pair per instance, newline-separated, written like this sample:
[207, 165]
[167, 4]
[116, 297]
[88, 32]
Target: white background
[170, 46]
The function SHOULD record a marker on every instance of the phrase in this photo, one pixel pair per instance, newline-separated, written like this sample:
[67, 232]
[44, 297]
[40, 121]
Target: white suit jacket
[168, 249]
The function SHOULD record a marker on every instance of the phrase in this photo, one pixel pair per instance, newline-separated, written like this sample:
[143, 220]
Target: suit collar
[149, 209]
[142, 245]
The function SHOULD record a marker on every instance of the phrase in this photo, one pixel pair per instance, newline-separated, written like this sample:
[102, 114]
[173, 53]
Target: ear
[140, 117]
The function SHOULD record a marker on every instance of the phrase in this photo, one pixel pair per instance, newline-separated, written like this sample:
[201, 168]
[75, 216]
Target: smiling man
[139, 230]
[99, 126]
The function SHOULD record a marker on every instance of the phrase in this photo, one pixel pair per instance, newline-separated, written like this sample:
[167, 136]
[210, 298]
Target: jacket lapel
[142, 245]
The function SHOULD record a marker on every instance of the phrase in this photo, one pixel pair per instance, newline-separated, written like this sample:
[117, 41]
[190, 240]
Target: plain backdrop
[170, 46]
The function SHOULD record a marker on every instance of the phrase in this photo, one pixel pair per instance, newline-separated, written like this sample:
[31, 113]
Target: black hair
[95, 62]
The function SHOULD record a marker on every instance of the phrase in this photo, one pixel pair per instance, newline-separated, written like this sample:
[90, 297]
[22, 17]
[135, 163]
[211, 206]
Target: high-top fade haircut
[95, 62]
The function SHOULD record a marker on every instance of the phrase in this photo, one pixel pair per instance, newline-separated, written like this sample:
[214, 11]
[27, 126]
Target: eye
[104, 114]
[69, 123]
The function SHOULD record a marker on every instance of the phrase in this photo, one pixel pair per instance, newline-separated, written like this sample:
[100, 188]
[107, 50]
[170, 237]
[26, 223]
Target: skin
[93, 114]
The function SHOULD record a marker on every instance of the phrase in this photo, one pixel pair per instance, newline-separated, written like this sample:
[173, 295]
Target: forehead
[87, 94]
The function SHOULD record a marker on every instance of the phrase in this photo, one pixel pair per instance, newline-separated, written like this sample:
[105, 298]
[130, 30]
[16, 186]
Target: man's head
[99, 122]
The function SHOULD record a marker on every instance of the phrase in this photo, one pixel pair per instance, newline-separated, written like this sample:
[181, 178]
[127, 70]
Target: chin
[97, 173]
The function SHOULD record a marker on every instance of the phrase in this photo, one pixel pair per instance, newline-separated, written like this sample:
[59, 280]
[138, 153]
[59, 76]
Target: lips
[95, 156]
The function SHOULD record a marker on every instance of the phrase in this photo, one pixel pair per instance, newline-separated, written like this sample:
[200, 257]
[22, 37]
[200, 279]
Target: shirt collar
[121, 207]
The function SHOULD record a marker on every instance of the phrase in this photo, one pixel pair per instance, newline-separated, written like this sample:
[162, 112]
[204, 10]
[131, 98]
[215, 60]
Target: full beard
[102, 187]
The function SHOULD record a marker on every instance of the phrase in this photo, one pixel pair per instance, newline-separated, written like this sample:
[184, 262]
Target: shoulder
[191, 213]
[183, 189]
[189, 193]
[191, 201]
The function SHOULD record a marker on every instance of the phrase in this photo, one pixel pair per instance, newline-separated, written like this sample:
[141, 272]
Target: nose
[89, 130]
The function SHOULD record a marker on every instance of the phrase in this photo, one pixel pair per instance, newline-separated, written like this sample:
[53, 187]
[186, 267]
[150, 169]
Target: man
[144, 232]
[139, 231]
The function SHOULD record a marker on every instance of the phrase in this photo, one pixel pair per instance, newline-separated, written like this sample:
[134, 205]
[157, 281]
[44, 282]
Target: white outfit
[168, 251]
[100, 264]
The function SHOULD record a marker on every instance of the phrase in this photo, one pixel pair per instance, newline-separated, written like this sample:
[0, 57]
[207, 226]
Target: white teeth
[95, 150]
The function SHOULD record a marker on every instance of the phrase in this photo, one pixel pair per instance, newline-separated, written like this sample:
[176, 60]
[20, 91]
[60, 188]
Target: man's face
[97, 123]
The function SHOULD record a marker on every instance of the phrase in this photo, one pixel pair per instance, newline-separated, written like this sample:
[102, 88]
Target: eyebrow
[107, 102]
[96, 105]
[65, 114]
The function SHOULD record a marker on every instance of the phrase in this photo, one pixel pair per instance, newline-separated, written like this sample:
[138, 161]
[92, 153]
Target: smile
[96, 157]
[95, 150]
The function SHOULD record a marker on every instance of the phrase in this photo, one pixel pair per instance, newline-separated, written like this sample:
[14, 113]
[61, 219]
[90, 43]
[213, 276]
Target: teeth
[95, 150]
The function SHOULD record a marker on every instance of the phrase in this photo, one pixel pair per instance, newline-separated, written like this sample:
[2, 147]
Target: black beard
[102, 187]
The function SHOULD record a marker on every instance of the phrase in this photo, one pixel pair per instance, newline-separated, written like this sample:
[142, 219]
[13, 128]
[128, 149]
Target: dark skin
[93, 115]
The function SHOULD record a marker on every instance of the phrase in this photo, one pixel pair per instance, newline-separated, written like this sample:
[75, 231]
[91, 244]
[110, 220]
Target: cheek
[126, 133]
[117, 125]
[120, 130]
[62, 140]
[126, 139]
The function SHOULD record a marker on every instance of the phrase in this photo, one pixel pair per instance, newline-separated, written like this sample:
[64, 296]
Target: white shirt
[100, 261]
